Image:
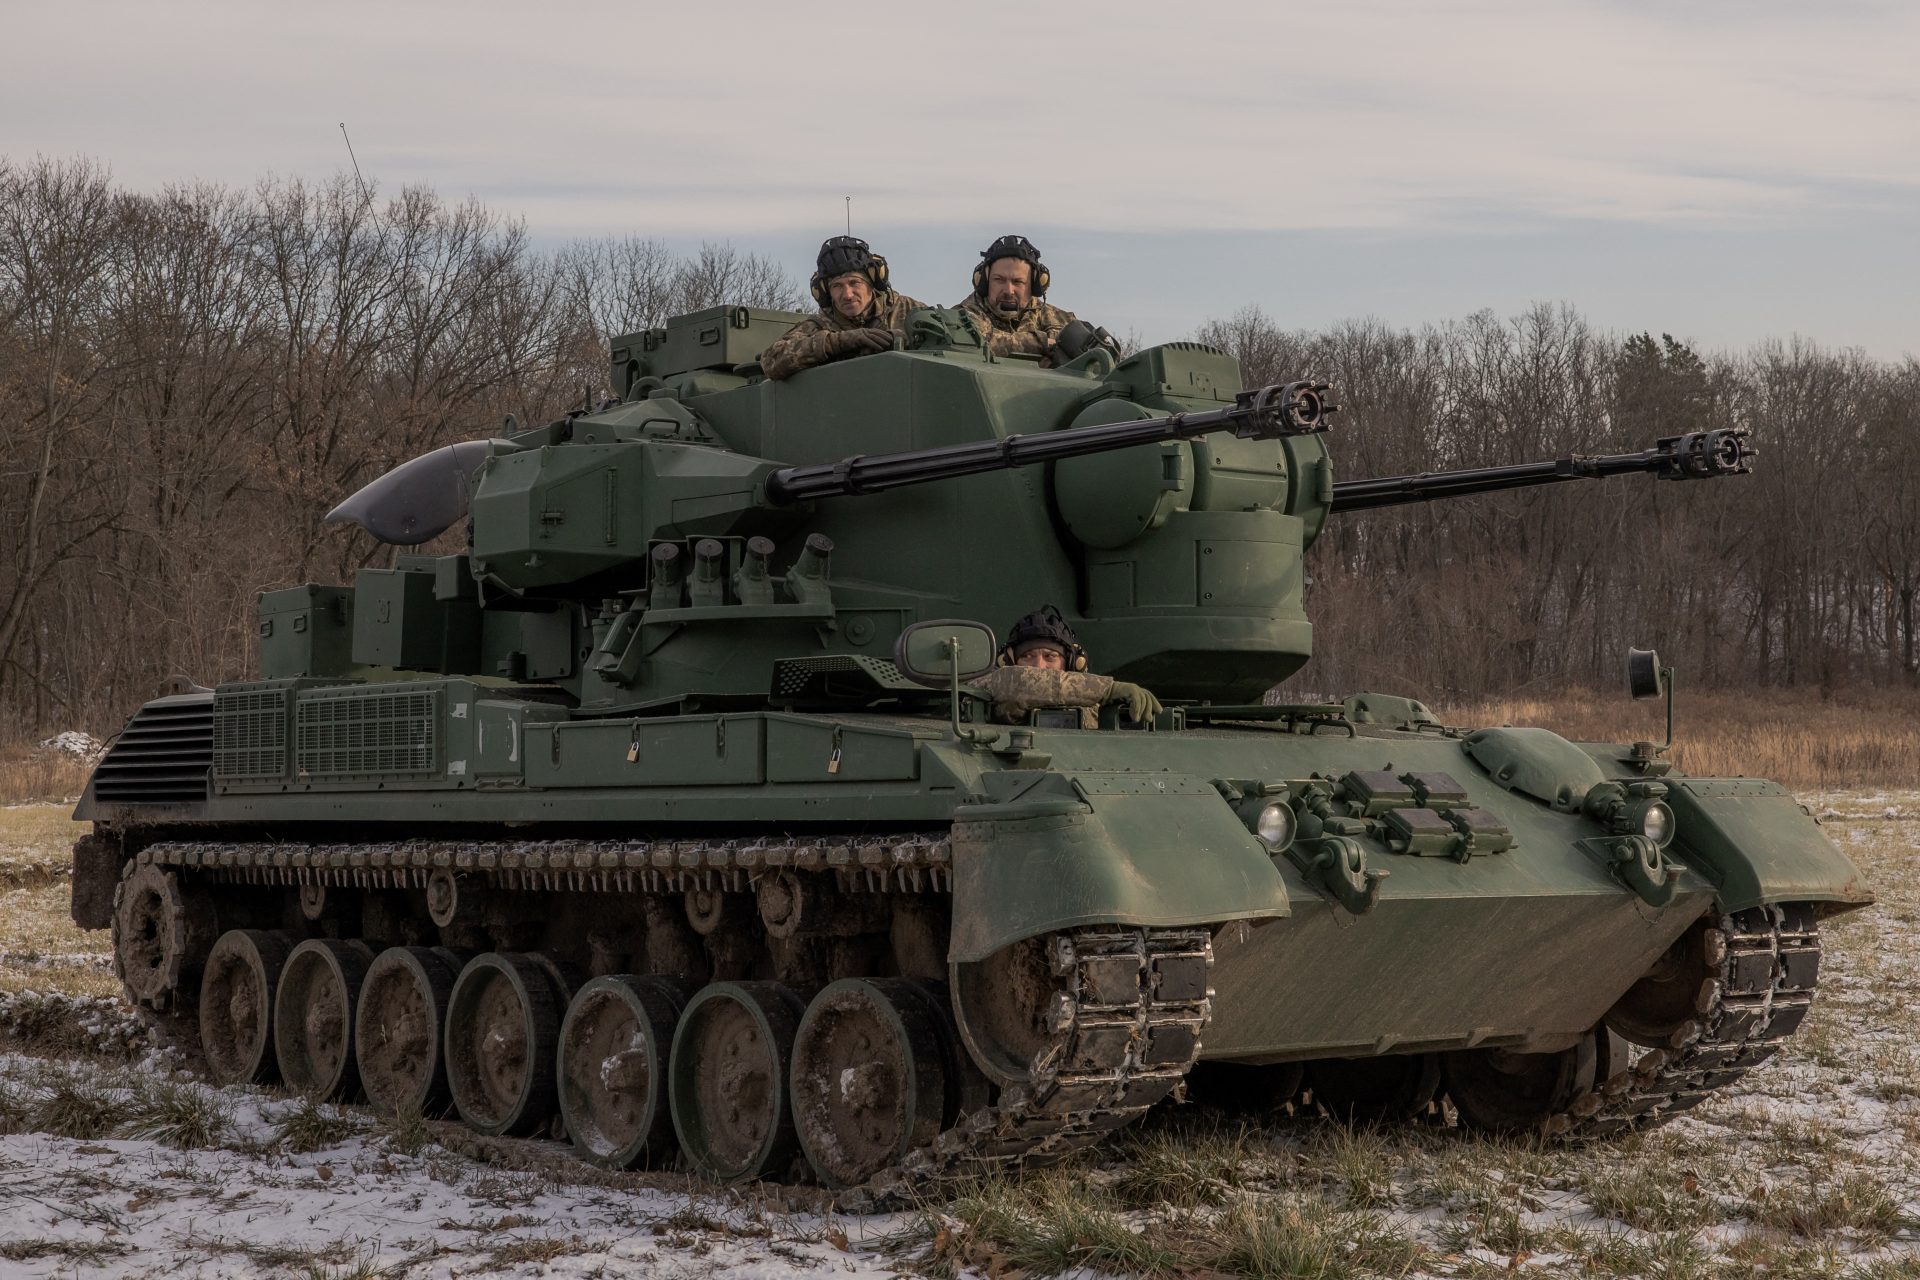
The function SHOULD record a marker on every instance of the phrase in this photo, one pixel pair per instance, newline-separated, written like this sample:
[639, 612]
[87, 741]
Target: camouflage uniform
[823, 338]
[1031, 332]
[1017, 690]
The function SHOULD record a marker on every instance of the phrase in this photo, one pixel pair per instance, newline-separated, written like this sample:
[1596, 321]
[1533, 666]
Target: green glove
[1140, 704]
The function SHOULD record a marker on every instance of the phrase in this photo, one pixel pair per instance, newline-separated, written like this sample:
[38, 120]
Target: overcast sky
[1725, 170]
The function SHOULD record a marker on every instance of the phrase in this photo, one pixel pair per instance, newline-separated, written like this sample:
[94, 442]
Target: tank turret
[1171, 506]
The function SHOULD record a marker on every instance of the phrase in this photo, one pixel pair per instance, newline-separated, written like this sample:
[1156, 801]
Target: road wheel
[1245, 1089]
[1501, 1091]
[403, 1006]
[503, 1023]
[313, 1017]
[1374, 1090]
[612, 1069]
[236, 1004]
[727, 1079]
[868, 1077]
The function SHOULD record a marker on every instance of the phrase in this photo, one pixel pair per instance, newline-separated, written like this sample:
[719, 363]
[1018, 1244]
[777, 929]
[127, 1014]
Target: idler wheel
[1375, 1090]
[727, 1079]
[1501, 1091]
[868, 1078]
[1665, 1001]
[503, 1021]
[313, 1017]
[236, 1004]
[396, 1030]
[162, 933]
[612, 1069]
[1001, 1004]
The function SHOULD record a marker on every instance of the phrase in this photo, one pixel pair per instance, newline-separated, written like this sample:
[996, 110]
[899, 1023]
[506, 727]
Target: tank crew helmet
[1044, 627]
[1011, 247]
[845, 255]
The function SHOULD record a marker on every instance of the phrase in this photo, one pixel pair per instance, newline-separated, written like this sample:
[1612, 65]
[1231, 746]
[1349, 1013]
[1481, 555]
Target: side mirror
[928, 652]
[1643, 674]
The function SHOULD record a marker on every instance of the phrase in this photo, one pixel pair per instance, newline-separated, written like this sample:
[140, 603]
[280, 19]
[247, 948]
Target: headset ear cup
[980, 282]
[817, 286]
[1041, 279]
[878, 272]
[1005, 658]
[1079, 662]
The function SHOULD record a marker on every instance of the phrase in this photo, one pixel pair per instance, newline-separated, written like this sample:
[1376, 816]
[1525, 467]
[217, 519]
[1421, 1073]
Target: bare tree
[61, 225]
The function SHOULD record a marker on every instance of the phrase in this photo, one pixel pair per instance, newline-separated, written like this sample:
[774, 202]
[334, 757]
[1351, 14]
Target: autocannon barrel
[1289, 409]
[1698, 455]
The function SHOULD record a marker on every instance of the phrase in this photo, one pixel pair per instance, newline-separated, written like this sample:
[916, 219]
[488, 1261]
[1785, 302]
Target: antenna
[366, 197]
[849, 209]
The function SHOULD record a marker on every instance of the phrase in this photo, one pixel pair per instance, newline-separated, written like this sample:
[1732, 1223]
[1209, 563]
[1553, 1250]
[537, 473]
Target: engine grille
[250, 734]
[163, 754]
[357, 734]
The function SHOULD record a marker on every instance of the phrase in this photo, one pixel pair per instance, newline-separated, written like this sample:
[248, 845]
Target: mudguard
[1053, 852]
[1757, 845]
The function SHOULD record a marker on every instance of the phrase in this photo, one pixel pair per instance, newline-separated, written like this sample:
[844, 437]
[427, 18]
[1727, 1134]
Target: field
[112, 1164]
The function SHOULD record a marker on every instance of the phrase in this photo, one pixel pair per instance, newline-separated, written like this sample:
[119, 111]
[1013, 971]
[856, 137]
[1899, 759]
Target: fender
[1758, 845]
[1051, 852]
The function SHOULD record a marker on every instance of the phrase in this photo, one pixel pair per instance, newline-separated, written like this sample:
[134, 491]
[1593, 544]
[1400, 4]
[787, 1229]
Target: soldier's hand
[1141, 705]
[866, 340]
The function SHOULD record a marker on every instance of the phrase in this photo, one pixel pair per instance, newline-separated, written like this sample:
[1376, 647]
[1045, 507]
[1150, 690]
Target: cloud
[1417, 160]
[1133, 116]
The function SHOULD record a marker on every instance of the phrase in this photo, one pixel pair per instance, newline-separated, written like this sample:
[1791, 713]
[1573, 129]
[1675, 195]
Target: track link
[1766, 964]
[1124, 1021]
[909, 861]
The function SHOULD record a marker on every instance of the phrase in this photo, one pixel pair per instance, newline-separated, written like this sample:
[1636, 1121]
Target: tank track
[911, 862]
[1766, 963]
[1127, 1013]
[1123, 1020]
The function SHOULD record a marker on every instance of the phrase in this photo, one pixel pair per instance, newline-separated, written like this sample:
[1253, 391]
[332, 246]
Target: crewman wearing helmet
[859, 311]
[1043, 665]
[1008, 304]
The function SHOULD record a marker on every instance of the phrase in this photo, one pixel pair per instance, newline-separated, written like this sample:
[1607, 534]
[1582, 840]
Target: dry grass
[1794, 737]
[34, 841]
[29, 772]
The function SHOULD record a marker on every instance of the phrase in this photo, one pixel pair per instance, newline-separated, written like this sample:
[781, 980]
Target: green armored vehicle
[665, 817]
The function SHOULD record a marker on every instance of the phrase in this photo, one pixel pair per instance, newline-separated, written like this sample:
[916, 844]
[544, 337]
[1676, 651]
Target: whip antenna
[366, 197]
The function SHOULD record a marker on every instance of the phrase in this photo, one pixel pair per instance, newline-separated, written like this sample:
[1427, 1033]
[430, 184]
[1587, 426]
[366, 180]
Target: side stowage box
[717, 338]
[305, 631]
[399, 621]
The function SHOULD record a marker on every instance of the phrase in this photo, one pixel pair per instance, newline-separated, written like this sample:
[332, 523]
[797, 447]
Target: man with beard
[1008, 303]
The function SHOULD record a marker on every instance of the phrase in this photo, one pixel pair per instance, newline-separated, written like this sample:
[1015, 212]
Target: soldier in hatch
[859, 311]
[1043, 665]
[1008, 303]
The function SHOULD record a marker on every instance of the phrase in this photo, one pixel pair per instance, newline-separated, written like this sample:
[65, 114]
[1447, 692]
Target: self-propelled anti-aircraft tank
[663, 817]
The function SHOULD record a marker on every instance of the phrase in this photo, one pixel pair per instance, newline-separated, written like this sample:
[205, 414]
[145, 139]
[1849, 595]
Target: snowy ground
[110, 1166]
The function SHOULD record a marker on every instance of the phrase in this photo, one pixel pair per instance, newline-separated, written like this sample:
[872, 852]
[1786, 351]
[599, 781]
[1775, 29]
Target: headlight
[1652, 819]
[1275, 826]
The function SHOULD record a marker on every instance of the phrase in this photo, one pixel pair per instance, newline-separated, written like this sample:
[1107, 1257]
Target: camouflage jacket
[819, 338]
[1031, 332]
[1017, 690]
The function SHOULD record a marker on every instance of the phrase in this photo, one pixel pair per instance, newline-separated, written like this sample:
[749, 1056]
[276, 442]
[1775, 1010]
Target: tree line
[1801, 574]
[190, 379]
